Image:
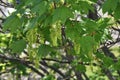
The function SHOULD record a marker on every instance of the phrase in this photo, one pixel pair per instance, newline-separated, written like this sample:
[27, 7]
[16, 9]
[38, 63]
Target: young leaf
[91, 26]
[103, 23]
[31, 23]
[72, 30]
[83, 6]
[40, 8]
[12, 23]
[80, 68]
[61, 14]
[44, 50]
[116, 65]
[18, 46]
[109, 5]
[107, 61]
[117, 12]
[87, 43]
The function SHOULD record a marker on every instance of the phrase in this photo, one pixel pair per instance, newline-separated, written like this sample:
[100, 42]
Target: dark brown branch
[118, 22]
[43, 69]
[68, 62]
[107, 52]
[109, 75]
[48, 59]
[110, 54]
[69, 77]
[116, 29]
[35, 70]
[110, 44]
[3, 2]
[54, 4]
[3, 13]
[52, 68]
[3, 5]
[78, 75]
[86, 77]
[25, 63]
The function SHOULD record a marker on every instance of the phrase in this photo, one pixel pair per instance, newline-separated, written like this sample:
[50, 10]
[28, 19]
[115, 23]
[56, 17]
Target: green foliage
[16, 23]
[31, 23]
[116, 65]
[87, 48]
[81, 68]
[18, 46]
[43, 28]
[40, 8]
[108, 5]
[107, 62]
[116, 13]
[62, 13]
[80, 6]
[44, 50]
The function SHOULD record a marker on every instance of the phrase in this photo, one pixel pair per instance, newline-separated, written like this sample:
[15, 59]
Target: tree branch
[109, 75]
[68, 62]
[25, 63]
[55, 60]
[3, 2]
[43, 69]
[53, 68]
[3, 13]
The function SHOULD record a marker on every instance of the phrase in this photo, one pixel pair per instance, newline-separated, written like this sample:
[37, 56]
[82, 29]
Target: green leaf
[83, 6]
[87, 43]
[80, 68]
[103, 23]
[109, 6]
[100, 55]
[116, 65]
[73, 30]
[44, 50]
[117, 12]
[84, 57]
[107, 61]
[61, 14]
[91, 26]
[12, 23]
[31, 23]
[48, 21]
[40, 8]
[45, 33]
[18, 46]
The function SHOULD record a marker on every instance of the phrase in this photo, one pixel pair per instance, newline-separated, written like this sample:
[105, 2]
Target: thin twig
[53, 68]
[3, 13]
